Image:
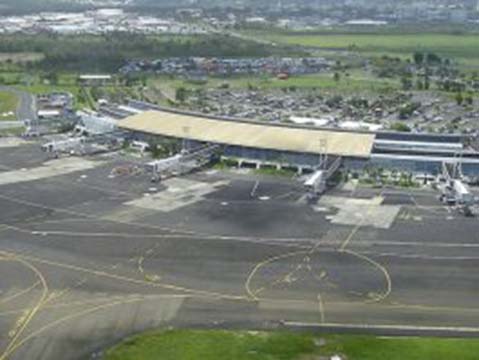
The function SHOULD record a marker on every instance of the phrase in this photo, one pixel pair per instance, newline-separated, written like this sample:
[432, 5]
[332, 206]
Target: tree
[469, 99]
[407, 110]
[335, 101]
[418, 58]
[406, 83]
[181, 94]
[427, 83]
[337, 77]
[432, 58]
[459, 98]
[96, 93]
[399, 126]
[81, 97]
[52, 77]
[155, 149]
[143, 80]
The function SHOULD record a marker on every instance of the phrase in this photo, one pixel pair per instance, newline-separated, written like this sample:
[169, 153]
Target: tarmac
[96, 252]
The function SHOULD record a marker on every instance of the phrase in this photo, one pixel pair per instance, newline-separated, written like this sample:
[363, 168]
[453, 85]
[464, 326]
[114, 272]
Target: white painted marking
[253, 190]
[452, 329]
[12, 142]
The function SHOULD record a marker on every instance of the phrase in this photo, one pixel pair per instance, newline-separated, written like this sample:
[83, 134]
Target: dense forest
[111, 51]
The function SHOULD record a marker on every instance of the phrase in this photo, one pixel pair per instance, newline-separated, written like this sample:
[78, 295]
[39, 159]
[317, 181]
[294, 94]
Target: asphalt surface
[82, 267]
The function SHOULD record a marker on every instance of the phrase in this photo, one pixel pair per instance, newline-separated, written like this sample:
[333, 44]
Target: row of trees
[431, 59]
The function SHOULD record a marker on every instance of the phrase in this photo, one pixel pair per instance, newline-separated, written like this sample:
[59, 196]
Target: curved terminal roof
[250, 134]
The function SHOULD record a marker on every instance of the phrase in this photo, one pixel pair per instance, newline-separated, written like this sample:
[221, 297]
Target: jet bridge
[182, 163]
[453, 189]
[315, 184]
[74, 145]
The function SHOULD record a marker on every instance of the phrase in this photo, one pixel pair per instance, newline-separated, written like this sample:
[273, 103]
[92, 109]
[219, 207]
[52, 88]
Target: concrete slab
[365, 212]
[8, 142]
[49, 169]
[179, 193]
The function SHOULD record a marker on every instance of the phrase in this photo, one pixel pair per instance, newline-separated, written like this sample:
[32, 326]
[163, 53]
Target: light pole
[186, 131]
[323, 153]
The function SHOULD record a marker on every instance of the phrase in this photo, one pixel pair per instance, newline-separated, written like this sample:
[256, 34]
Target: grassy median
[219, 345]
[8, 105]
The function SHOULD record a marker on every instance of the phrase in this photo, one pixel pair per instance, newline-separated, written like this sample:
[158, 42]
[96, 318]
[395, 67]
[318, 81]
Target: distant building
[55, 100]
[109, 13]
[49, 114]
[360, 125]
[256, 20]
[310, 121]
[95, 79]
[366, 22]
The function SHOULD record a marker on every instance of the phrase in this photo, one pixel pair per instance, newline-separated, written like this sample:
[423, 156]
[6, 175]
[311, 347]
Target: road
[91, 252]
[26, 109]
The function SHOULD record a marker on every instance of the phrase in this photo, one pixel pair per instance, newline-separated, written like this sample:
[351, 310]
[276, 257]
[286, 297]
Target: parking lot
[94, 252]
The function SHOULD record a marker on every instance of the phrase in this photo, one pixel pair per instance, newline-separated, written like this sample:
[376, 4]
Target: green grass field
[357, 81]
[242, 345]
[461, 47]
[16, 131]
[20, 57]
[8, 105]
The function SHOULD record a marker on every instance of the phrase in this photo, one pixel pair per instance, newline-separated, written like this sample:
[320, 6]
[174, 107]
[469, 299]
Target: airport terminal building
[298, 147]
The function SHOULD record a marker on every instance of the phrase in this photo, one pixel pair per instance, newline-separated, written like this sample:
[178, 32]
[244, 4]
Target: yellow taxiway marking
[62, 293]
[19, 293]
[351, 235]
[32, 312]
[102, 273]
[79, 303]
[355, 229]
[287, 278]
[381, 268]
[60, 321]
[250, 293]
